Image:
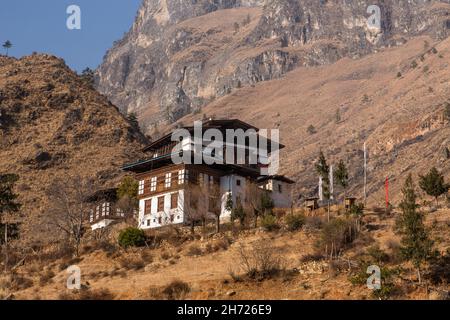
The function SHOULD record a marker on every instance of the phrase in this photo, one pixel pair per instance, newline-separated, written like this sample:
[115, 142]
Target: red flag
[387, 192]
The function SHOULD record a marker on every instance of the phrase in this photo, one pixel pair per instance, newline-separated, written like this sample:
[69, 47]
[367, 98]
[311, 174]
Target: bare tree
[252, 203]
[195, 205]
[257, 201]
[214, 203]
[68, 211]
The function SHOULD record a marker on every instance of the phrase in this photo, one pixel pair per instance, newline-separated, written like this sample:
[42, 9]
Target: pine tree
[416, 244]
[8, 204]
[88, 76]
[433, 184]
[323, 169]
[341, 175]
[7, 45]
[132, 118]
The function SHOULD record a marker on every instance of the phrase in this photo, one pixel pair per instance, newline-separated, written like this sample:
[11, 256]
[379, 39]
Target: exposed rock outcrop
[178, 56]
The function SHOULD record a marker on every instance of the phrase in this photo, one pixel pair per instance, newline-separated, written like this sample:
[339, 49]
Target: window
[141, 187]
[153, 183]
[105, 209]
[181, 176]
[168, 181]
[174, 201]
[148, 223]
[160, 204]
[97, 212]
[91, 216]
[148, 206]
[120, 212]
[238, 182]
[280, 188]
[172, 218]
[160, 220]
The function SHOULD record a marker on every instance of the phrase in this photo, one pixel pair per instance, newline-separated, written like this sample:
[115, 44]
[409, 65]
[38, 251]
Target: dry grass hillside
[392, 99]
[287, 265]
[52, 125]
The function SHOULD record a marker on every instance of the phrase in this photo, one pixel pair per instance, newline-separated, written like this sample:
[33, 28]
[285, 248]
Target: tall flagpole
[331, 182]
[320, 189]
[365, 173]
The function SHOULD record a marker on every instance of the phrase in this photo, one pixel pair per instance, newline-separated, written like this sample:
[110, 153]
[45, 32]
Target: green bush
[131, 237]
[295, 222]
[269, 222]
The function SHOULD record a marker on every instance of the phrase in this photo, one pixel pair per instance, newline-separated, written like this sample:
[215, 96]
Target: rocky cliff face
[179, 56]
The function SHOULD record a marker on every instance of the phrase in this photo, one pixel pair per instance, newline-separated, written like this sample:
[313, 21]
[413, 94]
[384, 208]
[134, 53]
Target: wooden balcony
[106, 212]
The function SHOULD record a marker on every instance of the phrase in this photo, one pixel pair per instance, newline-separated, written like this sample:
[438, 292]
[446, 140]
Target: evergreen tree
[132, 118]
[87, 75]
[433, 184]
[8, 204]
[7, 45]
[416, 244]
[341, 175]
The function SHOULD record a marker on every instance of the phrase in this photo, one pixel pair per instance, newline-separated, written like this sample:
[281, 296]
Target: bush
[131, 237]
[176, 290]
[46, 277]
[335, 235]
[377, 254]
[194, 250]
[269, 223]
[261, 261]
[132, 263]
[87, 294]
[295, 222]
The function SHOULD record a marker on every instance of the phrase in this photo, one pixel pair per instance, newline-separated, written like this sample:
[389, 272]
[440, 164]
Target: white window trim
[141, 187]
[153, 183]
[168, 182]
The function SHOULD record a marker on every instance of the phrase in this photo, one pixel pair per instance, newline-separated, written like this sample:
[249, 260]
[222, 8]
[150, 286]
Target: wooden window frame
[148, 206]
[161, 203]
[174, 201]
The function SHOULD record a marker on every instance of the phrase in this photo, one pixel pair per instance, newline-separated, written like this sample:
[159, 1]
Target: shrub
[269, 223]
[440, 270]
[335, 235]
[261, 261]
[295, 222]
[311, 130]
[176, 290]
[312, 257]
[131, 237]
[377, 254]
[46, 277]
[87, 294]
[399, 74]
[313, 223]
[132, 263]
[194, 250]
[414, 64]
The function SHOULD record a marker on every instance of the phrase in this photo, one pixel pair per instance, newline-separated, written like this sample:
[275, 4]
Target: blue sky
[40, 25]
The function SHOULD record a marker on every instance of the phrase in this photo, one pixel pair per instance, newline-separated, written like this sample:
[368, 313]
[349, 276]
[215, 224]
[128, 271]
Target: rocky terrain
[53, 124]
[394, 100]
[177, 58]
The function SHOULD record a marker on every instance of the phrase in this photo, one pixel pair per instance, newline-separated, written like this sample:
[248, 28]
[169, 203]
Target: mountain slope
[381, 98]
[179, 57]
[53, 124]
